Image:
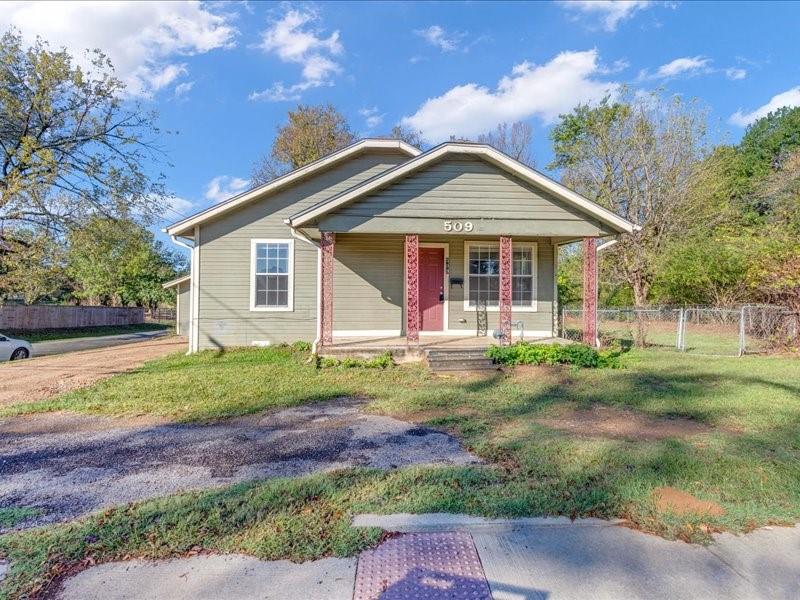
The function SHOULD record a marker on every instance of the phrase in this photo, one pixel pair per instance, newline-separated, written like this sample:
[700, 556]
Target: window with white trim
[482, 270]
[271, 274]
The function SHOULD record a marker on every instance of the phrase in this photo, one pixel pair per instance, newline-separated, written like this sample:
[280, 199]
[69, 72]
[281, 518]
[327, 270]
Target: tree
[636, 156]
[117, 262]
[514, 140]
[69, 145]
[310, 133]
[408, 135]
[31, 267]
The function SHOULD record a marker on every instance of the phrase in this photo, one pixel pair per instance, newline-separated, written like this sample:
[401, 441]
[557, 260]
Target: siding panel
[224, 312]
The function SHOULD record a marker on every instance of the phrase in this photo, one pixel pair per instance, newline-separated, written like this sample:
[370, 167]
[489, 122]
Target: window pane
[261, 265]
[523, 262]
[283, 298]
[261, 250]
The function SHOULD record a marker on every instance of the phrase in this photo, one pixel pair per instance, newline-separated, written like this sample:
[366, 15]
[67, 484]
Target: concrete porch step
[455, 354]
[459, 360]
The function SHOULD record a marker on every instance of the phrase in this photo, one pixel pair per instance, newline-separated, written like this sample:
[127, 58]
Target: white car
[11, 349]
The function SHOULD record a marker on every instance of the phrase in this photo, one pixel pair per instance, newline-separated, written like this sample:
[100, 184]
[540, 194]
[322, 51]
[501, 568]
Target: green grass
[46, 335]
[748, 462]
[11, 516]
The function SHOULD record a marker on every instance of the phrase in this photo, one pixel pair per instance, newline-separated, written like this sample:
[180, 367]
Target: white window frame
[253, 245]
[534, 307]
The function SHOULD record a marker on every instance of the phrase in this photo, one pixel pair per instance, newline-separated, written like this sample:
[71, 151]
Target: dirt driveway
[40, 378]
[65, 465]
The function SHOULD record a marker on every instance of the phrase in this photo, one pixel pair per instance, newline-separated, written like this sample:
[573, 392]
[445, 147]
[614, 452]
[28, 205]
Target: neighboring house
[182, 310]
[381, 240]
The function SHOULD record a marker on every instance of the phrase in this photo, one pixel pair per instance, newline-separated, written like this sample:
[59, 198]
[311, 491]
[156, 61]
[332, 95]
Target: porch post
[506, 270]
[327, 246]
[590, 291]
[412, 289]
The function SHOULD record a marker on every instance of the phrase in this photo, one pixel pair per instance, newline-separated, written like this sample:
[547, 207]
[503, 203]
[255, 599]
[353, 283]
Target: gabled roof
[287, 180]
[482, 151]
[174, 282]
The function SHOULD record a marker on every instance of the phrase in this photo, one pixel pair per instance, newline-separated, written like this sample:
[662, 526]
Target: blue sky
[223, 75]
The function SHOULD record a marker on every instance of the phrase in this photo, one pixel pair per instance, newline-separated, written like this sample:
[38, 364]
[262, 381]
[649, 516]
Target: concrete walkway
[527, 559]
[91, 343]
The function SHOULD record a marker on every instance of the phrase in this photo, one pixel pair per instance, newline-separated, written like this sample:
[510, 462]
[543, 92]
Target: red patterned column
[506, 271]
[412, 289]
[590, 291]
[328, 246]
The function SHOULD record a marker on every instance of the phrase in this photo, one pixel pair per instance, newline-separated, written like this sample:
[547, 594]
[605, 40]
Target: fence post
[741, 330]
[679, 340]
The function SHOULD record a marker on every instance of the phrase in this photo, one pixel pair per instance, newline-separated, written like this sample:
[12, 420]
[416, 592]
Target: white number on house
[458, 226]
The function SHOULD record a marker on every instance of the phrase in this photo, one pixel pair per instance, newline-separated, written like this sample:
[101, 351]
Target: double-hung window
[482, 270]
[271, 276]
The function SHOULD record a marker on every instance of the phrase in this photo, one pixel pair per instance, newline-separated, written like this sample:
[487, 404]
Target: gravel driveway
[68, 465]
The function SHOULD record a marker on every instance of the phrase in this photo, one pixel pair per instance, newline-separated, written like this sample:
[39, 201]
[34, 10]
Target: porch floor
[399, 347]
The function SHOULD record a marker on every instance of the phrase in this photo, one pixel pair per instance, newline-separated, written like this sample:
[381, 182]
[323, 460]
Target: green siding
[463, 188]
[368, 282]
[182, 323]
[224, 315]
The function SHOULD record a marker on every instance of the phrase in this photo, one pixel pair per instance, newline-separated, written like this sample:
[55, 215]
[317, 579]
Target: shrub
[379, 362]
[579, 355]
[301, 346]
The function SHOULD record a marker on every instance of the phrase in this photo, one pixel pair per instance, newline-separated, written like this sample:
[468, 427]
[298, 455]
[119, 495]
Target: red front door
[431, 289]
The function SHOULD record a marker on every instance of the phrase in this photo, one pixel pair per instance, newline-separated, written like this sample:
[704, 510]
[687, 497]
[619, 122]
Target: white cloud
[178, 208]
[142, 39]
[372, 117]
[439, 37]
[686, 65]
[531, 90]
[735, 73]
[294, 40]
[611, 12]
[183, 88]
[223, 187]
[788, 98]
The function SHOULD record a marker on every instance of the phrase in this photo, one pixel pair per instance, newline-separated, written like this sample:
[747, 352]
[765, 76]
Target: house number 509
[458, 226]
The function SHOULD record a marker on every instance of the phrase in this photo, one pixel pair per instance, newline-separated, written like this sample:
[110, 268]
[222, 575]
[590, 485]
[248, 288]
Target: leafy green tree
[69, 146]
[31, 267]
[117, 262]
[310, 133]
[704, 270]
[636, 156]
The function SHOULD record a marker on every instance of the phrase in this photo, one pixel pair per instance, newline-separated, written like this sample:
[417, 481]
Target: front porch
[409, 294]
[401, 350]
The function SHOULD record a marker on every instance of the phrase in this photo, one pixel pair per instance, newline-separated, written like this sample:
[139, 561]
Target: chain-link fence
[718, 331]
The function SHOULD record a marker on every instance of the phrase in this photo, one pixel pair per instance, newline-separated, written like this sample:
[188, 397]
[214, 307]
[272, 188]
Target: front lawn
[724, 430]
[65, 333]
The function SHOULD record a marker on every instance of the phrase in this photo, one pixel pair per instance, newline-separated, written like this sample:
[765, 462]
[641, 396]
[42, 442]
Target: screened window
[272, 274]
[483, 275]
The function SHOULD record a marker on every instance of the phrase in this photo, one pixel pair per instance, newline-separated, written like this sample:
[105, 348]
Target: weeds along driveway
[64, 465]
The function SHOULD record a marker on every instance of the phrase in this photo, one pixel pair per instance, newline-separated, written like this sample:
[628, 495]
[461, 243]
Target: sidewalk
[91, 343]
[452, 556]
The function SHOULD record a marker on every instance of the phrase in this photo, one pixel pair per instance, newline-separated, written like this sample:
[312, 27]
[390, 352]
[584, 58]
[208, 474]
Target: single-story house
[382, 241]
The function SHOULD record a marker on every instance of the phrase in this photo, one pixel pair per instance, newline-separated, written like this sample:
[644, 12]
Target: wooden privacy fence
[59, 317]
